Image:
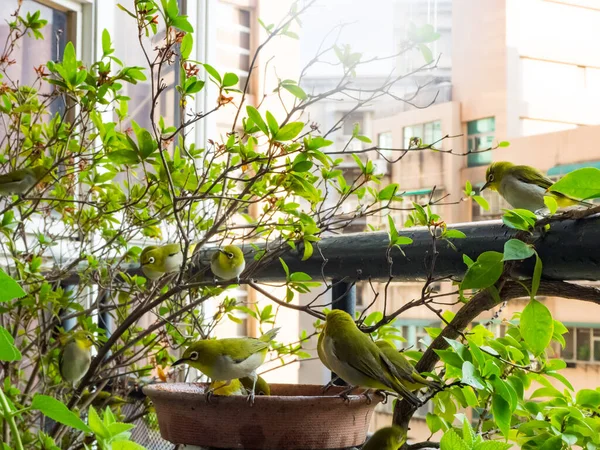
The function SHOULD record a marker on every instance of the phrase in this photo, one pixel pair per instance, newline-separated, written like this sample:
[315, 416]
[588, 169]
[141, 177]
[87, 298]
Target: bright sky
[370, 31]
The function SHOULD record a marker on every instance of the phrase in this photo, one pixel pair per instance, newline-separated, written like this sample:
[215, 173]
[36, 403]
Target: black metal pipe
[570, 250]
[343, 296]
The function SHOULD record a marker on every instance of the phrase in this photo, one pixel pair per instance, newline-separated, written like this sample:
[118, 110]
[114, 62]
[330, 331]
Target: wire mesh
[146, 430]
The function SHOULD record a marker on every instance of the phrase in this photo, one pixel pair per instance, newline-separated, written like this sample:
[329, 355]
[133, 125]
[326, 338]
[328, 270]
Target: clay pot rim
[195, 391]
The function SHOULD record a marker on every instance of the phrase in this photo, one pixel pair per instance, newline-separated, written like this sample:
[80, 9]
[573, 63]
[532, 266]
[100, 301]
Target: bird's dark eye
[491, 177]
[230, 255]
[194, 356]
[151, 260]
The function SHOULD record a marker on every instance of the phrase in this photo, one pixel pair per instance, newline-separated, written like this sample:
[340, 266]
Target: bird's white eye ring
[230, 255]
[491, 177]
[151, 260]
[194, 356]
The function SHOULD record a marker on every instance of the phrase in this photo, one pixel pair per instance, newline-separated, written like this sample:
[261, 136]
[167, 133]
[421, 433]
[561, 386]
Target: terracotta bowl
[294, 416]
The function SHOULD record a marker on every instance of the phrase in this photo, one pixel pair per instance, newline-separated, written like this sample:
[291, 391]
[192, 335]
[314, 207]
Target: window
[429, 133]
[384, 142]
[582, 345]
[233, 41]
[480, 136]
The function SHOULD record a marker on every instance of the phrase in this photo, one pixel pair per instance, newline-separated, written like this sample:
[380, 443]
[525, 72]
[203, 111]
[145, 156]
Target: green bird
[388, 438]
[355, 358]
[75, 356]
[159, 260]
[262, 387]
[523, 187]
[407, 374]
[228, 262]
[22, 180]
[227, 388]
[229, 358]
[103, 398]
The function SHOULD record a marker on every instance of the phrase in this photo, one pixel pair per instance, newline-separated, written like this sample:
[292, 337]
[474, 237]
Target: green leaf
[502, 414]
[454, 234]
[470, 376]
[492, 445]
[145, 143]
[172, 9]
[106, 50]
[484, 272]
[588, 397]
[554, 443]
[257, 119]
[124, 157]
[289, 131]
[8, 351]
[536, 326]
[9, 288]
[126, 445]
[212, 72]
[504, 144]
[182, 23]
[537, 276]
[187, 43]
[550, 203]
[515, 250]
[452, 441]
[272, 122]
[96, 424]
[308, 250]
[388, 192]
[230, 79]
[434, 422]
[58, 411]
[426, 52]
[482, 202]
[581, 184]
[295, 90]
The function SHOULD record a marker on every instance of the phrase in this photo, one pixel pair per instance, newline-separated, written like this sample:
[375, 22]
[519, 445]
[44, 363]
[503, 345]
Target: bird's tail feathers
[269, 335]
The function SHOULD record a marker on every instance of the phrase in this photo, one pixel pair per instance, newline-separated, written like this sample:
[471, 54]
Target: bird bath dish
[294, 416]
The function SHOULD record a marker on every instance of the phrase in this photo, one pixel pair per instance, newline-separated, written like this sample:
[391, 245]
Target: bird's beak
[485, 186]
[179, 361]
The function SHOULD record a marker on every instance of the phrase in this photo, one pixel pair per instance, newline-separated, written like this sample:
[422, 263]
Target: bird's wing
[543, 181]
[395, 380]
[532, 177]
[364, 357]
[240, 349]
[13, 177]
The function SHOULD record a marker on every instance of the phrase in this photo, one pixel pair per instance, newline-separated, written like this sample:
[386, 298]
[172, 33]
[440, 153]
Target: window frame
[475, 158]
[573, 332]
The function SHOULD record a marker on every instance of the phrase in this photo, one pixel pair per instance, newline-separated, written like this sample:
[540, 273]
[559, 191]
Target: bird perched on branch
[523, 187]
[228, 262]
[388, 438]
[355, 358]
[75, 356]
[22, 180]
[230, 358]
[158, 260]
[407, 374]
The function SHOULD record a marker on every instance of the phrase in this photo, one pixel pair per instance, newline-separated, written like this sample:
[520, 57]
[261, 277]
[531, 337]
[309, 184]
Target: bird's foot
[209, 395]
[345, 393]
[383, 394]
[327, 386]
[368, 396]
[250, 399]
